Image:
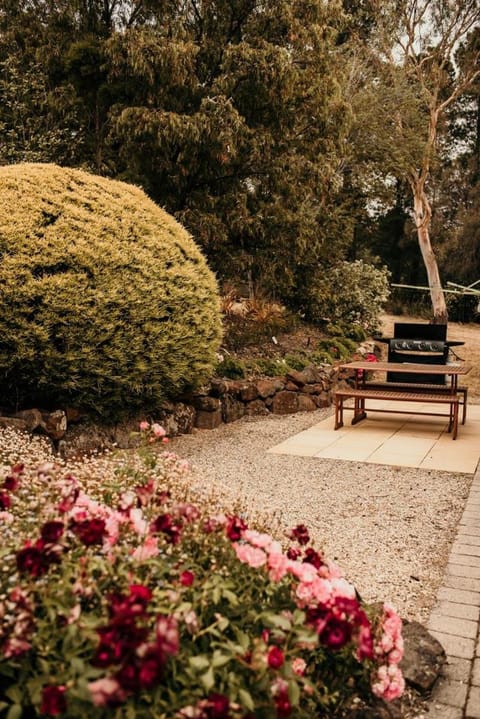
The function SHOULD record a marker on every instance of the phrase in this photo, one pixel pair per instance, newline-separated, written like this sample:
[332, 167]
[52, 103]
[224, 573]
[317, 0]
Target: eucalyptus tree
[404, 94]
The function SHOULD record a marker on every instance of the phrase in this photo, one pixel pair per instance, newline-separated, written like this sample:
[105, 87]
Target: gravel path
[389, 528]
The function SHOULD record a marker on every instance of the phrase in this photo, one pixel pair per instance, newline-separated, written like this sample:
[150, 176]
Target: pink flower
[252, 556]
[304, 572]
[298, 666]
[342, 588]
[106, 692]
[158, 430]
[168, 639]
[147, 550]
[257, 539]
[6, 517]
[389, 683]
[15, 647]
[144, 426]
[278, 565]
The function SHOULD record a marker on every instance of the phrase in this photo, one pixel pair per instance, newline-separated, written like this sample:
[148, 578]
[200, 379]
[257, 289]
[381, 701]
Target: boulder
[256, 408]
[14, 423]
[267, 387]
[32, 418]
[208, 420]
[232, 409]
[306, 403]
[206, 404]
[248, 392]
[285, 403]
[423, 657]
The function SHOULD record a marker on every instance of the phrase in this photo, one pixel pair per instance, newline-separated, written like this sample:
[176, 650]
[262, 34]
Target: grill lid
[410, 345]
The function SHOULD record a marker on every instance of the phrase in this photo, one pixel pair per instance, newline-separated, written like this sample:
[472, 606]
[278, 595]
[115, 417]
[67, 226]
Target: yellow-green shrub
[106, 302]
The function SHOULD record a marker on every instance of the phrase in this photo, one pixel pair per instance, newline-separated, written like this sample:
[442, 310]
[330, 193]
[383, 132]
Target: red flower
[31, 560]
[187, 578]
[11, 482]
[53, 700]
[164, 523]
[150, 672]
[293, 553]
[313, 557]
[140, 593]
[336, 633]
[89, 531]
[216, 706]
[235, 527]
[5, 501]
[52, 531]
[275, 658]
[300, 533]
[282, 704]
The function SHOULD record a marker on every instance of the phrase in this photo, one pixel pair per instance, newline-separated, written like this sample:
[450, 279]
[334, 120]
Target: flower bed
[123, 599]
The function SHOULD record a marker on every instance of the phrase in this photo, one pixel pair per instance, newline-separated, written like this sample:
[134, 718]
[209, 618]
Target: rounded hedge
[106, 302]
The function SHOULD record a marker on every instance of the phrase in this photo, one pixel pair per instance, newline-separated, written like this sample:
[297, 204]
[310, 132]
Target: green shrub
[296, 361]
[269, 366]
[231, 368]
[337, 348]
[345, 329]
[351, 292]
[106, 301]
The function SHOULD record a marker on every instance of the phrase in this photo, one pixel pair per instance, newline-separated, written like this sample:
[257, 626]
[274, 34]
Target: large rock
[423, 658]
[232, 409]
[306, 403]
[285, 403]
[208, 420]
[54, 424]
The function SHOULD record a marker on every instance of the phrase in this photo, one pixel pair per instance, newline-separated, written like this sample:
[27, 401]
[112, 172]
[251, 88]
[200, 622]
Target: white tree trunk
[422, 215]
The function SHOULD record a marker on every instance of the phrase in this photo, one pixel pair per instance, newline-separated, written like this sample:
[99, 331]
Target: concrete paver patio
[403, 440]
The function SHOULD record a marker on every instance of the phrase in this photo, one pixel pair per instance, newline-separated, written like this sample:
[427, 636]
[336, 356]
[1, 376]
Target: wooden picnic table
[402, 392]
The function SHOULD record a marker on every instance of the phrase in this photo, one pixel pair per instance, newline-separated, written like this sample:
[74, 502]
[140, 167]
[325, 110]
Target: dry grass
[470, 351]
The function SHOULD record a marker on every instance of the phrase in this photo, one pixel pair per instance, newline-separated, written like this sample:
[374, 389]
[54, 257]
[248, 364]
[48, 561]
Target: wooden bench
[433, 388]
[362, 394]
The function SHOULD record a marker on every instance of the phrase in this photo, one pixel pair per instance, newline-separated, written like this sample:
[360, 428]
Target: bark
[422, 215]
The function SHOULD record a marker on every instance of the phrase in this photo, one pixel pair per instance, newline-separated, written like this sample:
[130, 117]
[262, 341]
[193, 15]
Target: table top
[410, 367]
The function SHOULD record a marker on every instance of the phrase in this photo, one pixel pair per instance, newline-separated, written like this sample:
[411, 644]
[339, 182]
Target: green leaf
[276, 620]
[230, 597]
[243, 639]
[246, 699]
[208, 679]
[219, 659]
[15, 712]
[199, 663]
[14, 694]
[223, 624]
[293, 693]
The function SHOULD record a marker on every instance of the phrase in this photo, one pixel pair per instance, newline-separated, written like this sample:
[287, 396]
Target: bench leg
[464, 410]
[359, 410]
[455, 420]
[338, 412]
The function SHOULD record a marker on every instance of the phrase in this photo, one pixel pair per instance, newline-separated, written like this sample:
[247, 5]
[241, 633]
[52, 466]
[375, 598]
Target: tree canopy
[277, 132]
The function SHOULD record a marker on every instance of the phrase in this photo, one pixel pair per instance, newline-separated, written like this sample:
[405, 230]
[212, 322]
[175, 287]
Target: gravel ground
[388, 528]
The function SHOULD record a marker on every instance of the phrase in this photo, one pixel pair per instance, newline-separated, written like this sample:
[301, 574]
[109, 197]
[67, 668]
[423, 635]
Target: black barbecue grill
[420, 344]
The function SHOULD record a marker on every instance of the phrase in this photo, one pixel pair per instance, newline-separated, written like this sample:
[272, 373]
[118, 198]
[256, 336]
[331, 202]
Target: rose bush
[120, 599]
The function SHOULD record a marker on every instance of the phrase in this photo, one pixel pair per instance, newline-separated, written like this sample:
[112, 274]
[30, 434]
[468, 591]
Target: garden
[124, 595]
